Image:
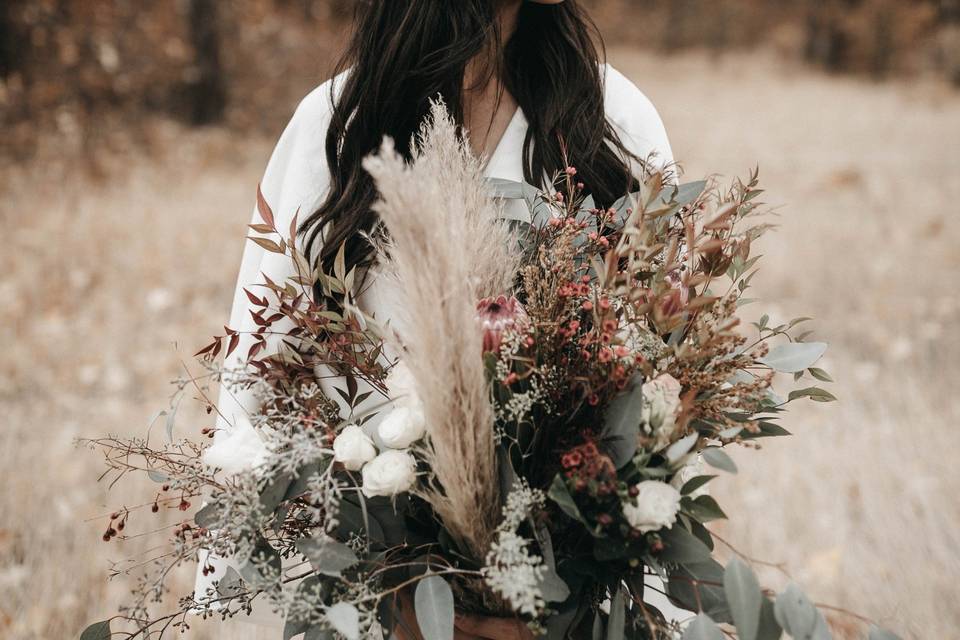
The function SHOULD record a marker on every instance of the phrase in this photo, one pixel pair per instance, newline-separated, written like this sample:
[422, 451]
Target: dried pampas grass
[446, 249]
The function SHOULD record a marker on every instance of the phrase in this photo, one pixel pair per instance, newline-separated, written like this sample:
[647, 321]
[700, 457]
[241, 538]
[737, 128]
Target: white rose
[388, 474]
[688, 472]
[353, 448]
[656, 506]
[402, 427]
[661, 405]
[402, 387]
[237, 449]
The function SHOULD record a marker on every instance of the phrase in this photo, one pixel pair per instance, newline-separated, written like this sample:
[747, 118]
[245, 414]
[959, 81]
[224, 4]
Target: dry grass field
[106, 285]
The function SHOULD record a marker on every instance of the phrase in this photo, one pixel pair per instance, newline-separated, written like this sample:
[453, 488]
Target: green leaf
[208, 516]
[621, 431]
[231, 584]
[795, 613]
[814, 393]
[876, 633]
[157, 476]
[433, 603]
[706, 509]
[263, 554]
[552, 587]
[703, 628]
[318, 633]
[681, 447]
[683, 547]
[693, 484]
[97, 631]
[345, 618]
[794, 356]
[327, 556]
[769, 629]
[618, 620]
[716, 457]
[820, 374]
[687, 193]
[744, 597]
[273, 494]
[559, 494]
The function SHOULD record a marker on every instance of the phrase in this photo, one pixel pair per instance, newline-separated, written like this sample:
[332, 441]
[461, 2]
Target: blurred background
[133, 138]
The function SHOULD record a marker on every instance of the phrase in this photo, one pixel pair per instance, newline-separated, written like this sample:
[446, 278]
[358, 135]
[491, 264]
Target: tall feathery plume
[446, 250]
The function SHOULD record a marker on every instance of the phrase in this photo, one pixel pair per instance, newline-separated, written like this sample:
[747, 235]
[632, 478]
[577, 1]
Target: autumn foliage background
[133, 136]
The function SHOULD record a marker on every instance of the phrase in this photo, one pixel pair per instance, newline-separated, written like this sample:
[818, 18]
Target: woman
[525, 80]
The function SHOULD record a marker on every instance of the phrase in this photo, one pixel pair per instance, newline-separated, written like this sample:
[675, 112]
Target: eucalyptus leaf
[558, 493]
[327, 556]
[552, 587]
[273, 494]
[97, 631]
[345, 618]
[263, 555]
[621, 430]
[597, 631]
[688, 192]
[318, 632]
[157, 476]
[814, 393]
[769, 628]
[230, 585]
[208, 516]
[433, 603]
[695, 483]
[682, 547]
[718, 458]
[703, 628]
[618, 619]
[744, 597]
[681, 447]
[794, 356]
[795, 613]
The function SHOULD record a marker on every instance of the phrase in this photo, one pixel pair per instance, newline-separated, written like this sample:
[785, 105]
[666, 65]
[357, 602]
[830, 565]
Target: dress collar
[506, 161]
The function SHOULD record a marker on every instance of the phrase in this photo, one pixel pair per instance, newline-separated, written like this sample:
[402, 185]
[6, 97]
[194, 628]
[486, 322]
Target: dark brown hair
[405, 52]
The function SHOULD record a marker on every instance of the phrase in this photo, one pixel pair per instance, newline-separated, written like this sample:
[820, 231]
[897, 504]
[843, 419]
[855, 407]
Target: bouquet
[532, 435]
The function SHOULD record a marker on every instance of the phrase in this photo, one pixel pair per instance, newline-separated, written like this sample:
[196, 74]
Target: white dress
[296, 178]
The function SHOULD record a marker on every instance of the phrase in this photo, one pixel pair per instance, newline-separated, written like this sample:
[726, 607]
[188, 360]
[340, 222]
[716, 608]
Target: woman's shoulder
[635, 117]
[314, 110]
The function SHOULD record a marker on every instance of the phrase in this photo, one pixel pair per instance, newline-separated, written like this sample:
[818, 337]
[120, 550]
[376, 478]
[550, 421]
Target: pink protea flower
[496, 316]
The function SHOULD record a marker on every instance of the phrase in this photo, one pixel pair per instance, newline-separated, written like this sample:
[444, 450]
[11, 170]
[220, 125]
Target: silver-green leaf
[433, 603]
[744, 597]
[716, 457]
[703, 628]
[795, 613]
[97, 631]
[794, 356]
[326, 555]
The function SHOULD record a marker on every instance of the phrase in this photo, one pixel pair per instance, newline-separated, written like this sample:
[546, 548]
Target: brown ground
[102, 282]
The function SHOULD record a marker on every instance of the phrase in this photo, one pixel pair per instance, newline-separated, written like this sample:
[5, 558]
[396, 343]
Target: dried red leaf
[265, 212]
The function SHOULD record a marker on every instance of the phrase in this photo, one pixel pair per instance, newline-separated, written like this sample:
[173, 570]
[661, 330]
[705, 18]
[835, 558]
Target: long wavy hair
[404, 53]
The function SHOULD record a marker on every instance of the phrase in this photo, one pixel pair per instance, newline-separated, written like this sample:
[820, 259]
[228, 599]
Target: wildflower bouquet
[527, 437]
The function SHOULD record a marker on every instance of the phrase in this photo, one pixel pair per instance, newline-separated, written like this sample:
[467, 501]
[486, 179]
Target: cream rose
[661, 405]
[402, 427]
[353, 448]
[388, 474]
[402, 387]
[656, 506]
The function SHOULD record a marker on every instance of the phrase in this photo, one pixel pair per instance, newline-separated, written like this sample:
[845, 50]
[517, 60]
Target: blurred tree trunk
[8, 39]
[207, 93]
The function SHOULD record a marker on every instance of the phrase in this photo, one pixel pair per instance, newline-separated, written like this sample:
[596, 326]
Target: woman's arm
[636, 121]
[296, 178]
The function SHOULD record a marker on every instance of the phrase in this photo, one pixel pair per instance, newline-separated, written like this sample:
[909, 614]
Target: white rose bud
[402, 387]
[661, 405]
[353, 448]
[656, 507]
[402, 427]
[388, 474]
